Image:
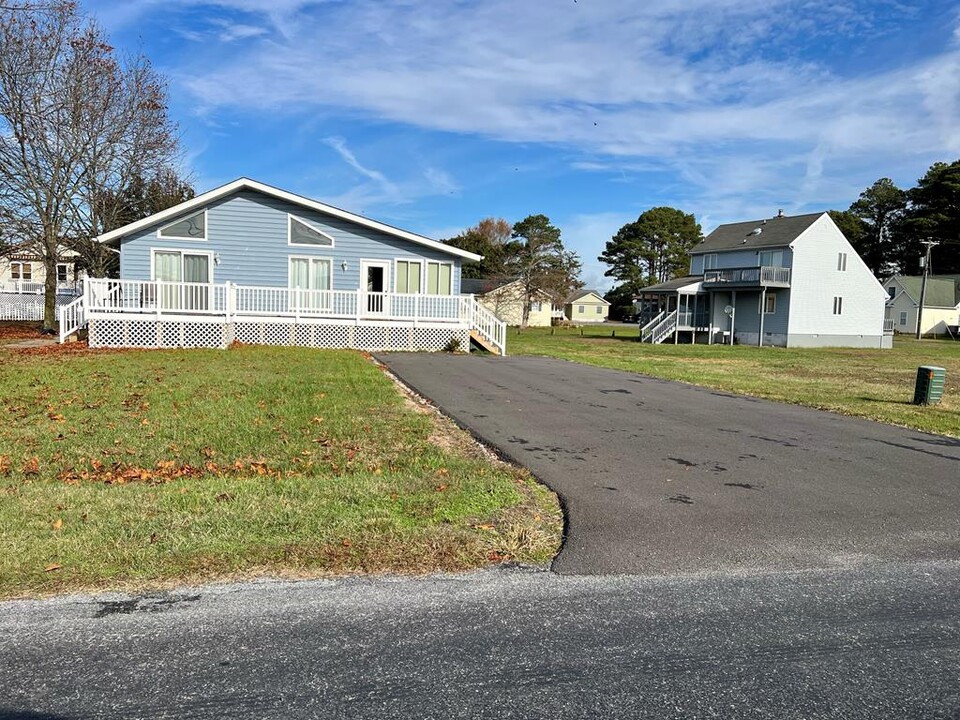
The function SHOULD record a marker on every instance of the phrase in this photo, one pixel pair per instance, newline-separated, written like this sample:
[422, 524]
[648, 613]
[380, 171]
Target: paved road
[660, 477]
[876, 642]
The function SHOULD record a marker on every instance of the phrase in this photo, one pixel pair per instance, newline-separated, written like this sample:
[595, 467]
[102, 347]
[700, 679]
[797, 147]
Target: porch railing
[646, 330]
[664, 328]
[888, 326]
[71, 317]
[764, 275]
[230, 300]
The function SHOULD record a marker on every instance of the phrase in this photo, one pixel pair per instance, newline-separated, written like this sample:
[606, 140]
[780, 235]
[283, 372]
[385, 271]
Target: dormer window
[299, 233]
[192, 227]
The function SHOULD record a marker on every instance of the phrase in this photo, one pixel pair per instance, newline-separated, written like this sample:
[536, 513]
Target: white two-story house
[789, 281]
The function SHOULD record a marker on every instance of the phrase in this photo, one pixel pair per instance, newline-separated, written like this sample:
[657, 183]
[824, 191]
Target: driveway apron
[660, 477]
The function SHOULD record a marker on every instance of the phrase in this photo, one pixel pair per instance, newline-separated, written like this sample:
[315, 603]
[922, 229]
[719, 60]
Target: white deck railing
[71, 317]
[487, 324]
[647, 329]
[664, 328]
[229, 300]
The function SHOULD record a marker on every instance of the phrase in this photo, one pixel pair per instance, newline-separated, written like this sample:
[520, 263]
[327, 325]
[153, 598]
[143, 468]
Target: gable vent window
[842, 262]
[302, 234]
[193, 227]
[838, 306]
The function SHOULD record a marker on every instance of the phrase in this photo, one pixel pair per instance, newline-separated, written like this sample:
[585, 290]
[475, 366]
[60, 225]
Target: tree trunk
[49, 293]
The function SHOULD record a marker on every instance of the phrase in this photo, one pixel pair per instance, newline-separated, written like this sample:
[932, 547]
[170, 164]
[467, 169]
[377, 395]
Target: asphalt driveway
[660, 477]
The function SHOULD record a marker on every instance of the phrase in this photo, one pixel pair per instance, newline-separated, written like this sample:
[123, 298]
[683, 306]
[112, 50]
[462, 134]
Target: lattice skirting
[18, 306]
[189, 333]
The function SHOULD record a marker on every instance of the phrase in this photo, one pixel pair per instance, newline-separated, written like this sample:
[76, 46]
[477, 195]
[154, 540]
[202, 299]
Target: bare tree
[74, 121]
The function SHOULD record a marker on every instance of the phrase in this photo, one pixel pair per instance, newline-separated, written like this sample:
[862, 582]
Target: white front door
[374, 284]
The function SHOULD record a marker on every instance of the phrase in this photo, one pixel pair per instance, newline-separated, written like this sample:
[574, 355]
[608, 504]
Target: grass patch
[143, 468]
[875, 384]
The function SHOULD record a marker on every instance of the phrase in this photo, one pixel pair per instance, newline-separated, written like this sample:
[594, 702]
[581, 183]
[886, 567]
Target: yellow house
[506, 301]
[586, 306]
[941, 308]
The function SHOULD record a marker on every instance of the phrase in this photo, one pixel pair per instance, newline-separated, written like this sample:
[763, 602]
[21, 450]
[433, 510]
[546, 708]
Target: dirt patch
[446, 433]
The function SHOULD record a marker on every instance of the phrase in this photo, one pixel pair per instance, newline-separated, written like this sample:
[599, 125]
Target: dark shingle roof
[942, 290]
[672, 285]
[775, 232]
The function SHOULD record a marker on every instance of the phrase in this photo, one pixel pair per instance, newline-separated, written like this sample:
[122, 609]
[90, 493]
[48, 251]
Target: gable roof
[248, 184]
[580, 294]
[775, 232]
[942, 290]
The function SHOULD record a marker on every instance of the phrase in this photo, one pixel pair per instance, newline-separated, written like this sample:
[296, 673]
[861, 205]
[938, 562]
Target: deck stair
[660, 328]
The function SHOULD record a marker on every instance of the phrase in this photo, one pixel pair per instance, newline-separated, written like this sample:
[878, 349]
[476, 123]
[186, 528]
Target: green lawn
[143, 468]
[875, 384]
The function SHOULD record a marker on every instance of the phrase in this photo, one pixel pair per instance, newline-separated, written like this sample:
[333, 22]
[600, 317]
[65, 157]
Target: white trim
[310, 258]
[248, 184]
[419, 261]
[206, 228]
[385, 264]
[182, 251]
[290, 218]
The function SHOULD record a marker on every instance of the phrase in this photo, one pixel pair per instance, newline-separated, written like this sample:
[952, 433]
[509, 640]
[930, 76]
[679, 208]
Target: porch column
[733, 315]
[763, 303]
[710, 319]
[676, 325]
[693, 333]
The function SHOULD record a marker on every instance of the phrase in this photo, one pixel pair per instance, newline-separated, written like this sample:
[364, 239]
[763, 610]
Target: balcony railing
[764, 276]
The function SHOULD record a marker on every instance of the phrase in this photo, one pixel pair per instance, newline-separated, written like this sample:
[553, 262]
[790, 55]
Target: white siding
[816, 282]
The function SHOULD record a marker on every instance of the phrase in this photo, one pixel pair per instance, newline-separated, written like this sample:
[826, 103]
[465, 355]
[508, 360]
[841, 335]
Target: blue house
[252, 263]
[791, 281]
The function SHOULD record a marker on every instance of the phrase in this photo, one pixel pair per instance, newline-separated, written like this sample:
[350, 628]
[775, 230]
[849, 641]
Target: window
[838, 306]
[710, 261]
[903, 317]
[536, 307]
[299, 233]
[599, 310]
[891, 292]
[21, 271]
[313, 275]
[771, 258]
[181, 266]
[581, 309]
[63, 271]
[193, 227]
[408, 276]
[842, 262]
[439, 278]
[770, 304]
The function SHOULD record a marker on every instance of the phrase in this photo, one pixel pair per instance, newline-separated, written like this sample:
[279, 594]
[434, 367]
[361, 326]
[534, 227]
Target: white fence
[139, 301]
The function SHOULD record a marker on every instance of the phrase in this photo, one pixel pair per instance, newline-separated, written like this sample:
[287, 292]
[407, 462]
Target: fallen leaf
[58, 523]
[346, 542]
[51, 567]
[31, 466]
[441, 488]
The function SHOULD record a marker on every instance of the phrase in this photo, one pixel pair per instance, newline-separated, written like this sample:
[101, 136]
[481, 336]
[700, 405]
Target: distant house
[23, 279]
[586, 306]
[506, 300]
[252, 263]
[788, 281]
[22, 271]
[941, 308]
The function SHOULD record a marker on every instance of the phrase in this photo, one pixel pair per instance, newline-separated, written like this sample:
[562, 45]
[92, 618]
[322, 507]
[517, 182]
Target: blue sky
[433, 115]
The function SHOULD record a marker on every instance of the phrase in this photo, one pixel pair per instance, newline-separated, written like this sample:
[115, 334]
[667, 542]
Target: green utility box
[930, 381]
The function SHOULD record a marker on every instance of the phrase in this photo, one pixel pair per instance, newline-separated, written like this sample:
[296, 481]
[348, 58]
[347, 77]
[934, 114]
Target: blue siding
[249, 233]
[737, 259]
